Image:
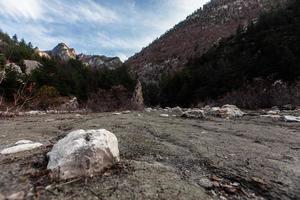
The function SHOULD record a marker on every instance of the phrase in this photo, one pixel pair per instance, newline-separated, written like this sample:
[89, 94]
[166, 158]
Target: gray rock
[195, 113]
[205, 183]
[31, 65]
[137, 99]
[177, 110]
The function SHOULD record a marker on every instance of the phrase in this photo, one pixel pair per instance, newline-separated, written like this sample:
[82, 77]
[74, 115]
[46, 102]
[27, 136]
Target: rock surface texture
[83, 153]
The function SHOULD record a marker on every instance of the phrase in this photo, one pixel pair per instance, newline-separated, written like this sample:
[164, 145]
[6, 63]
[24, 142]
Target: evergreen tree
[15, 38]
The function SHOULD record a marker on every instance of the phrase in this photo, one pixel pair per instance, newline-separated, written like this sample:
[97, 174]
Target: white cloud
[79, 11]
[57, 11]
[21, 10]
[126, 27]
[110, 42]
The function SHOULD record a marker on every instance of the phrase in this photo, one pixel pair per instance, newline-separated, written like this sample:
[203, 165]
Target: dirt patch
[162, 158]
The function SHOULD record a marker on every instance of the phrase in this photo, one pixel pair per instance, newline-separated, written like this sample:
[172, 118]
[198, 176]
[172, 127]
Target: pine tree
[15, 38]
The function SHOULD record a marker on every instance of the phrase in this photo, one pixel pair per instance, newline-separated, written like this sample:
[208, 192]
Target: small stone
[230, 189]
[117, 113]
[223, 198]
[206, 183]
[16, 196]
[164, 115]
[2, 197]
[273, 112]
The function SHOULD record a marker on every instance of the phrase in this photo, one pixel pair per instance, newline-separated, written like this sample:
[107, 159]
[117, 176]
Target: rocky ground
[252, 157]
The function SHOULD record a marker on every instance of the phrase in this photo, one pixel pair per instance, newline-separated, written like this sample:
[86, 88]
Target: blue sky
[105, 27]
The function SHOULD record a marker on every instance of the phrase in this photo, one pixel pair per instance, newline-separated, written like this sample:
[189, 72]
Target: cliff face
[195, 35]
[65, 53]
[99, 62]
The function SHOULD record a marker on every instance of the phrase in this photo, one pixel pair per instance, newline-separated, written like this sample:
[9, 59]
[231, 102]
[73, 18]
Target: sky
[96, 27]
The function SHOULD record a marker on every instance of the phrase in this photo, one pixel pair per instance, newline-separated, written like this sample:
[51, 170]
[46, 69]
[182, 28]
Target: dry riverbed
[162, 158]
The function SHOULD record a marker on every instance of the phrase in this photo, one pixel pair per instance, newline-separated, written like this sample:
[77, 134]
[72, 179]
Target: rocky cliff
[99, 62]
[195, 35]
[65, 53]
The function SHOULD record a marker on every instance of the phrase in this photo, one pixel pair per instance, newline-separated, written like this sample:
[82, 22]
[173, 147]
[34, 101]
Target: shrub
[47, 92]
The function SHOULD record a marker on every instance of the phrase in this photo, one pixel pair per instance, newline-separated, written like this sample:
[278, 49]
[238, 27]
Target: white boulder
[229, 111]
[164, 115]
[289, 118]
[20, 146]
[83, 153]
[273, 112]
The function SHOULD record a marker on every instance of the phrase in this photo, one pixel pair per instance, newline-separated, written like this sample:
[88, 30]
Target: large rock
[195, 113]
[31, 65]
[289, 118]
[137, 98]
[83, 153]
[177, 110]
[230, 111]
[226, 111]
[14, 67]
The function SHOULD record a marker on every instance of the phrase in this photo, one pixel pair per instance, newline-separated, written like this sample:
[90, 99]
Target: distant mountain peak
[64, 52]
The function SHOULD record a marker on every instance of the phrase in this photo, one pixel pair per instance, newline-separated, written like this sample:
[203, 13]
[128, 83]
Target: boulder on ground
[177, 110]
[289, 118]
[195, 113]
[229, 111]
[83, 153]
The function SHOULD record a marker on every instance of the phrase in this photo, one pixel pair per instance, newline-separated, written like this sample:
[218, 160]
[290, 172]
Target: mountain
[99, 62]
[195, 35]
[63, 52]
[258, 67]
